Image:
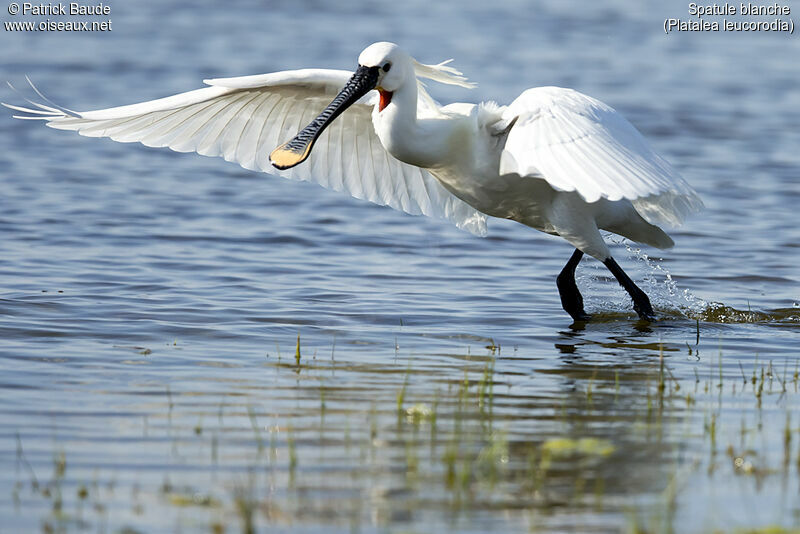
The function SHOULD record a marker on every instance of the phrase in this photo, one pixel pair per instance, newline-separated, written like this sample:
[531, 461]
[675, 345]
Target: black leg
[571, 299]
[640, 301]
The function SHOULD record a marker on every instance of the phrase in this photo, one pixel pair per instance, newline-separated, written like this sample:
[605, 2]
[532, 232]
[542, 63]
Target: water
[151, 302]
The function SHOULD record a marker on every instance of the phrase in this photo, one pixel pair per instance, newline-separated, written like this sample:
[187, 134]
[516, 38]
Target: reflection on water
[151, 302]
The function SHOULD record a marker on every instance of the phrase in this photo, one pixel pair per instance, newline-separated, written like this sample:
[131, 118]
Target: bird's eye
[387, 67]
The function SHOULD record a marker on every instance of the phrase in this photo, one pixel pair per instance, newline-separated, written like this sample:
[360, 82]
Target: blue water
[151, 302]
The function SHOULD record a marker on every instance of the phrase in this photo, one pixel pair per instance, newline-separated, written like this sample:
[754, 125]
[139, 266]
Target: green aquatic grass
[456, 444]
[297, 351]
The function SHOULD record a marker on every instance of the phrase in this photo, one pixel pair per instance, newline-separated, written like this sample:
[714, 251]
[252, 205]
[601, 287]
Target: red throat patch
[386, 98]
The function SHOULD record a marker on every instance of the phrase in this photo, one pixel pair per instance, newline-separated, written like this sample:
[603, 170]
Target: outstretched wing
[577, 143]
[244, 119]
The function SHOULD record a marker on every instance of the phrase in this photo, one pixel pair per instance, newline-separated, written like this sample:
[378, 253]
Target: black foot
[641, 304]
[581, 317]
[571, 298]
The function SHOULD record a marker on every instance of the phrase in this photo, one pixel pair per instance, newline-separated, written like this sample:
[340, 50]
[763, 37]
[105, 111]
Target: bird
[554, 159]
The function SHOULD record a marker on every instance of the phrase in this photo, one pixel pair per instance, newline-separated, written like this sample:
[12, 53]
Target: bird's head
[395, 68]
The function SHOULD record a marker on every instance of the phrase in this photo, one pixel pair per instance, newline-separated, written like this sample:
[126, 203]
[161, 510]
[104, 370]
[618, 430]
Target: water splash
[663, 289]
[665, 294]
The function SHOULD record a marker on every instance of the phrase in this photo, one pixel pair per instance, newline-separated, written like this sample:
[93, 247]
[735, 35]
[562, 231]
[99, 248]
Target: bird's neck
[409, 138]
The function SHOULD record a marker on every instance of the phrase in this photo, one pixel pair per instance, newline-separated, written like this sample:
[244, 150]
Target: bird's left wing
[243, 119]
[577, 143]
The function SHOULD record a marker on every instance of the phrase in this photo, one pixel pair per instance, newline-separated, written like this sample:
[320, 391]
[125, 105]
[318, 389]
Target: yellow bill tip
[286, 158]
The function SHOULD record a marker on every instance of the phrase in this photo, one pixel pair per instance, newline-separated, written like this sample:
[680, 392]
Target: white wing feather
[243, 119]
[577, 143]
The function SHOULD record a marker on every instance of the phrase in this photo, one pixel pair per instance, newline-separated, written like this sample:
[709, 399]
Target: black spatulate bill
[299, 147]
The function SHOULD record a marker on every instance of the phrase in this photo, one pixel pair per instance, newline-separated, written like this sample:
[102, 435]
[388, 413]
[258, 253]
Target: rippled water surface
[189, 346]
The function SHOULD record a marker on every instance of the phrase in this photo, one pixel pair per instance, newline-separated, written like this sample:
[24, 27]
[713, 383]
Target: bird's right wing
[577, 143]
[243, 119]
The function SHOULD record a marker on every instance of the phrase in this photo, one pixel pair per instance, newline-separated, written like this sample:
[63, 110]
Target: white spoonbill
[554, 159]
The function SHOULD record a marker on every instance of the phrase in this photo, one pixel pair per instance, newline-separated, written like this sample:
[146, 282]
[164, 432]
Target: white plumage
[578, 143]
[554, 159]
[243, 119]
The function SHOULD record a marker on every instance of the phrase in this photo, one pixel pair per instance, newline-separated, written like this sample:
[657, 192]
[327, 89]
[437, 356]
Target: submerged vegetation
[621, 443]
